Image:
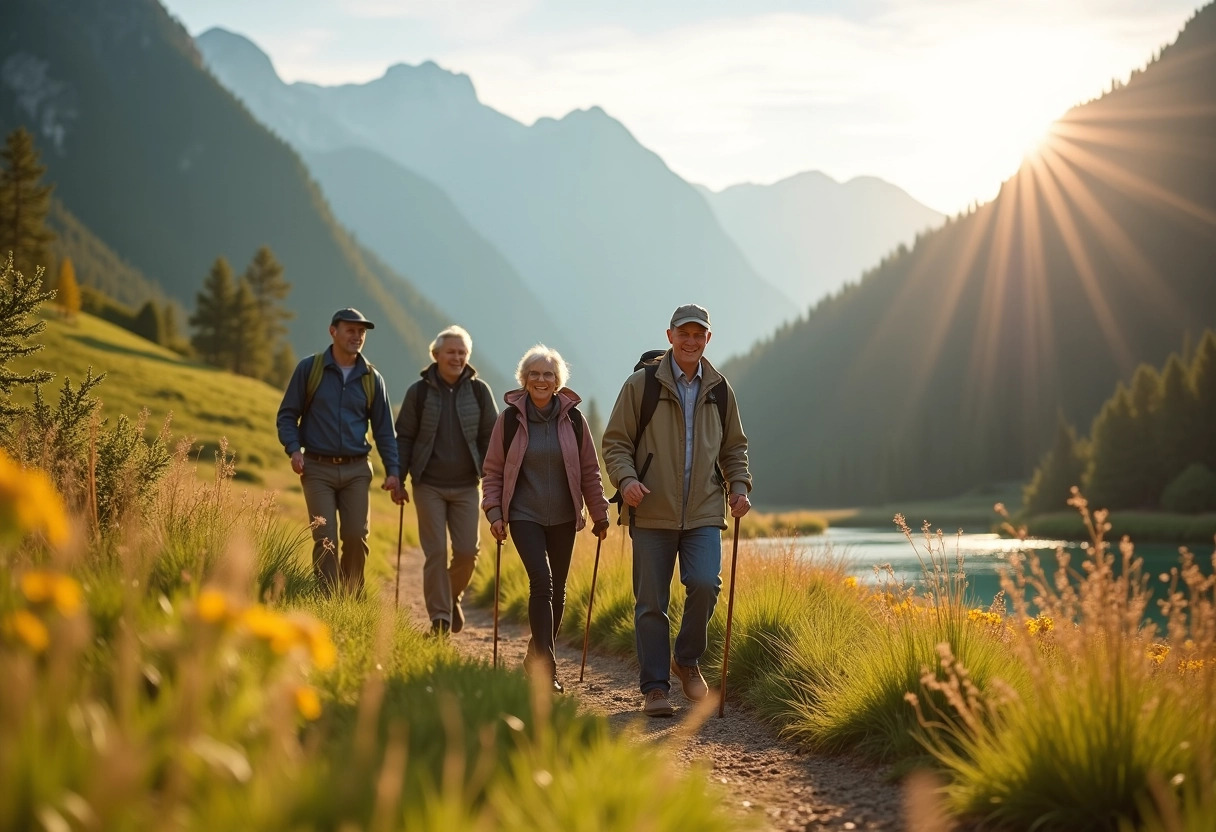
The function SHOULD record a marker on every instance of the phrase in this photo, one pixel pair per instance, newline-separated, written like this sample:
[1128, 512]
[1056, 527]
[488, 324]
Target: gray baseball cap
[351, 314]
[690, 313]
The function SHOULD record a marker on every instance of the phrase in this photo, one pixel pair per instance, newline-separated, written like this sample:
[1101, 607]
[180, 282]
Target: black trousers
[545, 551]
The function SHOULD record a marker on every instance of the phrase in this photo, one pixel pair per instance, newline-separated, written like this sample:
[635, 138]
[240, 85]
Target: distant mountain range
[161, 163]
[944, 369]
[597, 227]
[809, 234]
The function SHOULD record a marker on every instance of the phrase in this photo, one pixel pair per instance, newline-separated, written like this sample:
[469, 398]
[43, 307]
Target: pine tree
[270, 290]
[283, 365]
[212, 319]
[1114, 466]
[1061, 468]
[1203, 382]
[20, 296]
[249, 350]
[148, 323]
[68, 297]
[1146, 404]
[24, 204]
[1177, 434]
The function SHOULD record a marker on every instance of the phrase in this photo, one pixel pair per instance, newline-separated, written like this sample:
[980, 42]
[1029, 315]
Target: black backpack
[649, 361]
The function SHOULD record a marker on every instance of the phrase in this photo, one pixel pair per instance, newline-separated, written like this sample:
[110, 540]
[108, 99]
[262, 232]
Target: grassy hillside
[205, 403]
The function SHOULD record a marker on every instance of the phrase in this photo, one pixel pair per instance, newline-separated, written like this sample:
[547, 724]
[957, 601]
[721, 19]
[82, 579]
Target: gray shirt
[689, 389]
[542, 491]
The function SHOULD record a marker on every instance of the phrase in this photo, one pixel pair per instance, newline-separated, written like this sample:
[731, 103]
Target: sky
[940, 97]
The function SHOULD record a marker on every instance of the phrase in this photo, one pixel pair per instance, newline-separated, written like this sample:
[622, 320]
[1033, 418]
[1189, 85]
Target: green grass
[1142, 526]
[971, 512]
[206, 404]
[173, 693]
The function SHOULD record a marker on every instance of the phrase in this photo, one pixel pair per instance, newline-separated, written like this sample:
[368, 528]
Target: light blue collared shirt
[689, 389]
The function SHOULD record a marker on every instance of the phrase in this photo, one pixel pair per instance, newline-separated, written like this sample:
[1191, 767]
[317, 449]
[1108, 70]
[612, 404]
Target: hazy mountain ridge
[596, 225]
[945, 367]
[404, 218]
[809, 234]
[161, 163]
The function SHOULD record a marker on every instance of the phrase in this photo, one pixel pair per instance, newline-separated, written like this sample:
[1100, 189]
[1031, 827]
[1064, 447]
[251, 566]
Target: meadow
[180, 664]
[1068, 713]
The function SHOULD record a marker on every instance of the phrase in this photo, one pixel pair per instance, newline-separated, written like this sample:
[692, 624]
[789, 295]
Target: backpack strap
[314, 380]
[317, 369]
[511, 425]
[369, 386]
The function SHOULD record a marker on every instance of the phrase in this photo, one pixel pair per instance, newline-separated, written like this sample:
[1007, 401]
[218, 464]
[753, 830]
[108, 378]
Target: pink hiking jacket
[501, 470]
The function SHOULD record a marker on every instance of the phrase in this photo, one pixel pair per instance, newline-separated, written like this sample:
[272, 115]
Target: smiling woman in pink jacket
[540, 469]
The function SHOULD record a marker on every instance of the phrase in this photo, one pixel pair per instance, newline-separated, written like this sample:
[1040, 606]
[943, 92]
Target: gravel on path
[757, 773]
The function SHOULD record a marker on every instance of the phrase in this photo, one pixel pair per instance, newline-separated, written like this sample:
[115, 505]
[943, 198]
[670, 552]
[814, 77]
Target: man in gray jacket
[443, 431]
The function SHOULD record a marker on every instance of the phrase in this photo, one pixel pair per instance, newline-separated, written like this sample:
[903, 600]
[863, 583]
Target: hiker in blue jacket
[322, 423]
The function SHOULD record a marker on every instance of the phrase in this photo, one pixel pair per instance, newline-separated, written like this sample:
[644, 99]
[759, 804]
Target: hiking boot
[657, 703]
[558, 687]
[692, 683]
[457, 617]
[439, 627]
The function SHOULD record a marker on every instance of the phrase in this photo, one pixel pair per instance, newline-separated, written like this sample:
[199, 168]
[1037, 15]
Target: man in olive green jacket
[695, 467]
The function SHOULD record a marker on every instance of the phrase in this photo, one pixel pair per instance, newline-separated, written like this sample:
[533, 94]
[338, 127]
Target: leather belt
[334, 460]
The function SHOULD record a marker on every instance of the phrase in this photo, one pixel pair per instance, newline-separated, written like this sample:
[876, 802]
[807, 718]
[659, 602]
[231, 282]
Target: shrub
[1192, 492]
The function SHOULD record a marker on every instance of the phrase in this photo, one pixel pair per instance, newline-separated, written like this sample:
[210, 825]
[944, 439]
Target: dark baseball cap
[690, 313]
[353, 315]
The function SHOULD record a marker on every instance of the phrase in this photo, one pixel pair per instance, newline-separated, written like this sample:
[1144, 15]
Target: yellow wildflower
[1190, 665]
[851, 582]
[28, 628]
[29, 503]
[315, 634]
[1157, 652]
[984, 616]
[308, 702]
[1040, 625]
[212, 606]
[274, 629]
[62, 590]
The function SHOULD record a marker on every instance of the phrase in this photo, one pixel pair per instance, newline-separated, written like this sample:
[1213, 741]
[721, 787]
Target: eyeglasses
[547, 375]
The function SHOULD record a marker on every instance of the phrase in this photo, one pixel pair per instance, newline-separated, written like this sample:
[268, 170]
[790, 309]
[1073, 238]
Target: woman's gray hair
[542, 353]
[452, 331]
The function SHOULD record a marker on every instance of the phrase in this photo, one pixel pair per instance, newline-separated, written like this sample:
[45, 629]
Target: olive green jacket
[719, 460]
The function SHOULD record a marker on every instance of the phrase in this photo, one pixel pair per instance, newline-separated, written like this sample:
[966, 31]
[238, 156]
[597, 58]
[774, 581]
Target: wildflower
[1042, 625]
[1190, 665]
[984, 617]
[276, 630]
[1157, 652]
[315, 635]
[308, 702]
[212, 606]
[29, 629]
[61, 590]
[29, 503]
[851, 582]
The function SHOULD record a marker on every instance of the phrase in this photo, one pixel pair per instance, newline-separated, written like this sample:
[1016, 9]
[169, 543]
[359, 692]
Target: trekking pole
[595, 570]
[497, 568]
[730, 612]
[400, 527]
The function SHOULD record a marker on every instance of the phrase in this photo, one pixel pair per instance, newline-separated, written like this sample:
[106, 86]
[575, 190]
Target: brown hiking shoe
[657, 703]
[457, 617]
[692, 683]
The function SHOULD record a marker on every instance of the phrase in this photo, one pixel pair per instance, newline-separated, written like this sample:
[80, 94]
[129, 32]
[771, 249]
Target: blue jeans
[654, 559]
